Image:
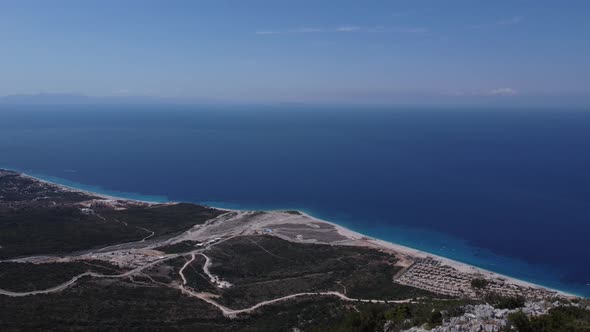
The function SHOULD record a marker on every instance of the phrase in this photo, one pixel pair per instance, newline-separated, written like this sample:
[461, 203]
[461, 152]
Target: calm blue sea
[506, 190]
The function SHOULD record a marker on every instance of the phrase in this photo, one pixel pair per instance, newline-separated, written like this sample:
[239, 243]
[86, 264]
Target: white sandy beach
[355, 237]
[73, 189]
[463, 267]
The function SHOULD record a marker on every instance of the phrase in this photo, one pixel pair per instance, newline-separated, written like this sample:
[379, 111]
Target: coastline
[88, 192]
[462, 267]
[368, 241]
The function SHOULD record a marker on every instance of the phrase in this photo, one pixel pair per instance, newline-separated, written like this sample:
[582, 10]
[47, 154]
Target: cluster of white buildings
[429, 274]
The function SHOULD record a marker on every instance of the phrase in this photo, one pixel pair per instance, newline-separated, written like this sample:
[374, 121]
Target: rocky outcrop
[485, 318]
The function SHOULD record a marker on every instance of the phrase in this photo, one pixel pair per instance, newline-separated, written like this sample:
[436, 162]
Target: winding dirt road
[72, 281]
[228, 312]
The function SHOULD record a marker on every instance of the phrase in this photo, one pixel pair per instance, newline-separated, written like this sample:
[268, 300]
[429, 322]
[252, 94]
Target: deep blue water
[506, 190]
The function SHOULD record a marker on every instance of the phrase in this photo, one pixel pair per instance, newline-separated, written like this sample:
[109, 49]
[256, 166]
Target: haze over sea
[505, 190]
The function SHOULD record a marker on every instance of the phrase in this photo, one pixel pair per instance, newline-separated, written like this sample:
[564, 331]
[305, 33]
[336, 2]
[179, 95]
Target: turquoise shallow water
[422, 239]
[443, 245]
[98, 189]
[507, 191]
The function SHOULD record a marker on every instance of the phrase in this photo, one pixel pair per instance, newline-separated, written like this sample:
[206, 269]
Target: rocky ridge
[486, 318]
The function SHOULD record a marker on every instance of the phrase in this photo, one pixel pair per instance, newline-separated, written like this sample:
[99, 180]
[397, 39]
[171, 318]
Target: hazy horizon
[382, 52]
[441, 102]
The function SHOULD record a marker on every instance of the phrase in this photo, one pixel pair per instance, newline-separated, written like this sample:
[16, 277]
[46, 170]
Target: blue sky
[324, 51]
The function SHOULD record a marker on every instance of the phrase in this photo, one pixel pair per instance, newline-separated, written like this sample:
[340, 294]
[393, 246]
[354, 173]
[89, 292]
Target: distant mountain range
[547, 101]
[72, 98]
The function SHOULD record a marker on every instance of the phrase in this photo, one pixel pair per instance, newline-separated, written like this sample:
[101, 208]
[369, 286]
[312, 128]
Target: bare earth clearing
[236, 262]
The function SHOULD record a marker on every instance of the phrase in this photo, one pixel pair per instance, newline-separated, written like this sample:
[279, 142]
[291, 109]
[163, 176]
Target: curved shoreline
[404, 249]
[463, 267]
